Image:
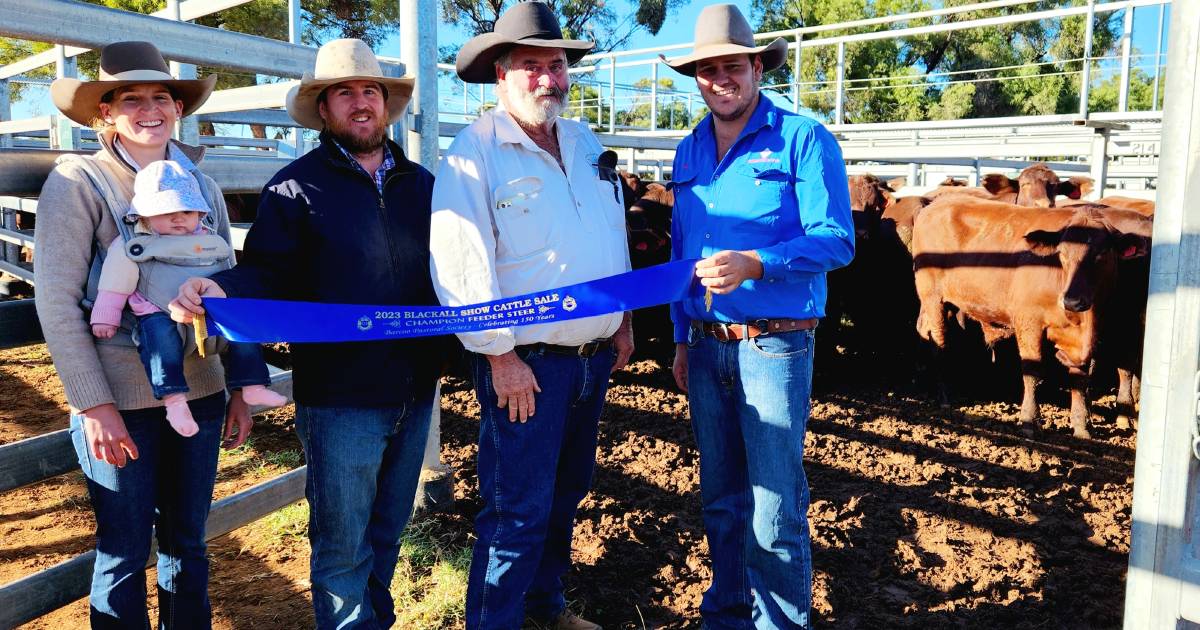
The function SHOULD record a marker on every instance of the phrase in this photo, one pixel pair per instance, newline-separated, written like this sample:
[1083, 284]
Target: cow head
[950, 181]
[869, 197]
[632, 186]
[1038, 186]
[1088, 247]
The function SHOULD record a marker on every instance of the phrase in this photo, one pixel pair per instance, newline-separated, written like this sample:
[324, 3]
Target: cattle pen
[1148, 154]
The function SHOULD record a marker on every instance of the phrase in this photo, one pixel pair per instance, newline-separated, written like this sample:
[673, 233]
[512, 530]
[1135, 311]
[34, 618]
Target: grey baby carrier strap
[118, 207]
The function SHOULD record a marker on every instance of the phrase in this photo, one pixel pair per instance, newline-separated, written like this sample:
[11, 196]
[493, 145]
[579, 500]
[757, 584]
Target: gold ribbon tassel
[201, 328]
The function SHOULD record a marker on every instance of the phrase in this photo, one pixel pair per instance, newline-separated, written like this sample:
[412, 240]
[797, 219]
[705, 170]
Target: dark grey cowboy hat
[722, 30]
[524, 24]
[121, 64]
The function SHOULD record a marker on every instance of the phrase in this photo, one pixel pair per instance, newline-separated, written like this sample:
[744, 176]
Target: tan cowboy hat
[126, 63]
[524, 24]
[345, 60]
[722, 30]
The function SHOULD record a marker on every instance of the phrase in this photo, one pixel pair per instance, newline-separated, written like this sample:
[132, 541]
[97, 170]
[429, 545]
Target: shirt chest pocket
[610, 204]
[759, 189]
[525, 221]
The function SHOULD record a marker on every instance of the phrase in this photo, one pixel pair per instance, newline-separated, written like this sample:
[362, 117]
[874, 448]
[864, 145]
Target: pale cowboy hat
[722, 30]
[164, 187]
[345, 60]
[524, 24]
[121, 64]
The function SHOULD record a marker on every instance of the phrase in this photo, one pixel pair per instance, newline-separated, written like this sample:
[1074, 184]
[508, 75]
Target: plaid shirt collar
[388, 164]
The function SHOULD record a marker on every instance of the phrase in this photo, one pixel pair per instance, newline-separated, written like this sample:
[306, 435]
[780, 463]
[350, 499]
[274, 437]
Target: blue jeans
[363, 468]
[161, 350]
[532, 477]
[165, 492]
[749, 402]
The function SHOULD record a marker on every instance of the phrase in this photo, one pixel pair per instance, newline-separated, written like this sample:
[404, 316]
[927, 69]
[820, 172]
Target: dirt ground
[921, 516]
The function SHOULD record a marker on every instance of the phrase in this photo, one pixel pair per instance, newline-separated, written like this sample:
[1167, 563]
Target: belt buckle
[721, 331]
[588, 349]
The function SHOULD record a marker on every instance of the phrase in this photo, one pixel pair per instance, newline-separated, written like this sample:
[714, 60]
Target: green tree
[1023, 68]
[595, 20]
[672, 114]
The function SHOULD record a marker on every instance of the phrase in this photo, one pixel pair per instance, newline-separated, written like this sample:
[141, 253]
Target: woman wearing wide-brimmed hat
[143, 477]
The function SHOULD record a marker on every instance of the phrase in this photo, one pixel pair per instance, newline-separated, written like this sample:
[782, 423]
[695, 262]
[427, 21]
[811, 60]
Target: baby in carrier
[171, 243]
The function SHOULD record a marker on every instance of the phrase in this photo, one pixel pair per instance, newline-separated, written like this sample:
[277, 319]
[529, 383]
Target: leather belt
[586, 350]
[736, 332]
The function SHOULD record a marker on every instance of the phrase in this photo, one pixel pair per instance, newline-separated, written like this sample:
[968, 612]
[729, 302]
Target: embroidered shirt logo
[569, 303]
[365, 323]
[764, 157]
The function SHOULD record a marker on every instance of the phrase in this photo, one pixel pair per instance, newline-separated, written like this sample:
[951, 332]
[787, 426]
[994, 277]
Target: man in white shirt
[521, 205]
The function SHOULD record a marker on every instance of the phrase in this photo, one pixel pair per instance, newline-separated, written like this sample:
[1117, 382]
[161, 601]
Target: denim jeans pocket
[83, 450]
[783, 345]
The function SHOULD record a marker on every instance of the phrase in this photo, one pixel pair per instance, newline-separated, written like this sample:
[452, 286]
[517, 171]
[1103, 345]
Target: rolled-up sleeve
[824, 203]
[462, 242]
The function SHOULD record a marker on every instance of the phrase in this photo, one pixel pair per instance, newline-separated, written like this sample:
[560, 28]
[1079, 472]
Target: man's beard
[357, 144]
[530, 108]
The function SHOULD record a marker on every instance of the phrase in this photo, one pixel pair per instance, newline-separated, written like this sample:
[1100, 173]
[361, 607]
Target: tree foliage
[607, 24]
[1023, 68]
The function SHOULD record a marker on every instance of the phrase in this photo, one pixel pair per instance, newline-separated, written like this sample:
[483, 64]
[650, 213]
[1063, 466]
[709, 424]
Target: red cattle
[648, 207]
[875, 291]
[1028, 273]
[1037, 185]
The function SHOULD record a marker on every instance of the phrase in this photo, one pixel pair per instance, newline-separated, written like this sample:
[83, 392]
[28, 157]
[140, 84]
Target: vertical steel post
[1158, 64]
[295, 28]
[1162, 589]
[1099, 172]
[186, 129]
[612, 95]
[12, 251]
[654, 96]
[796, 74]
[418, 52]
[839, 107]
[64, 134]
[5, 113]
[1085, 77]
[1126, 46]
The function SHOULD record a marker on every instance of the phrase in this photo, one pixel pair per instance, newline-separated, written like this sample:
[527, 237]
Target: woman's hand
[238, 421]
[105, 434]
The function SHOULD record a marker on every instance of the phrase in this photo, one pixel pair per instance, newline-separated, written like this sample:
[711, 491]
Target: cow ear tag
[1129, 252]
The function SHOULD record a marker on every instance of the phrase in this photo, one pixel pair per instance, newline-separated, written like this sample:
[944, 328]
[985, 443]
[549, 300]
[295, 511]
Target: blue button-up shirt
[380, 173]
[781, 191]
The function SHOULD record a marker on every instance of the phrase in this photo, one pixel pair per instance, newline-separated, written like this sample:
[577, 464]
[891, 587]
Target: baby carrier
[163, 263]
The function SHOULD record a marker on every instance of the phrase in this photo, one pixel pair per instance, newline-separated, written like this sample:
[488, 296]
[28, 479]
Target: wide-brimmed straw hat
[722, 30]
[345, 60]
[524, 24]
[121, 64]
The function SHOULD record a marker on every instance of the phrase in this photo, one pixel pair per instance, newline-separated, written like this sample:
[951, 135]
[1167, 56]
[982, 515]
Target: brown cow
[878, 284]
[648, 221]
[1143, 207]
[1028, 273]
[1037, 185]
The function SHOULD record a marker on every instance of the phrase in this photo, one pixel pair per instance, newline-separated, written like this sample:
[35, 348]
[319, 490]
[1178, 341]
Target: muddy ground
[921, 516]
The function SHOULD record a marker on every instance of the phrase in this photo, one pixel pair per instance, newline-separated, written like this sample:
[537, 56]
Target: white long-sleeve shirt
[507, 221]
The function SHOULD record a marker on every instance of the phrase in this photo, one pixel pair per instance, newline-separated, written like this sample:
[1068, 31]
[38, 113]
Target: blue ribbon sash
[270, 321]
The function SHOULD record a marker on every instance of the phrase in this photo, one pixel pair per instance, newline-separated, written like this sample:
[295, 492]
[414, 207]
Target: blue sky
[677, 28]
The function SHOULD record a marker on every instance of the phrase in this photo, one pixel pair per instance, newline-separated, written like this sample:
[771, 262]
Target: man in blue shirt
[761, 197]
